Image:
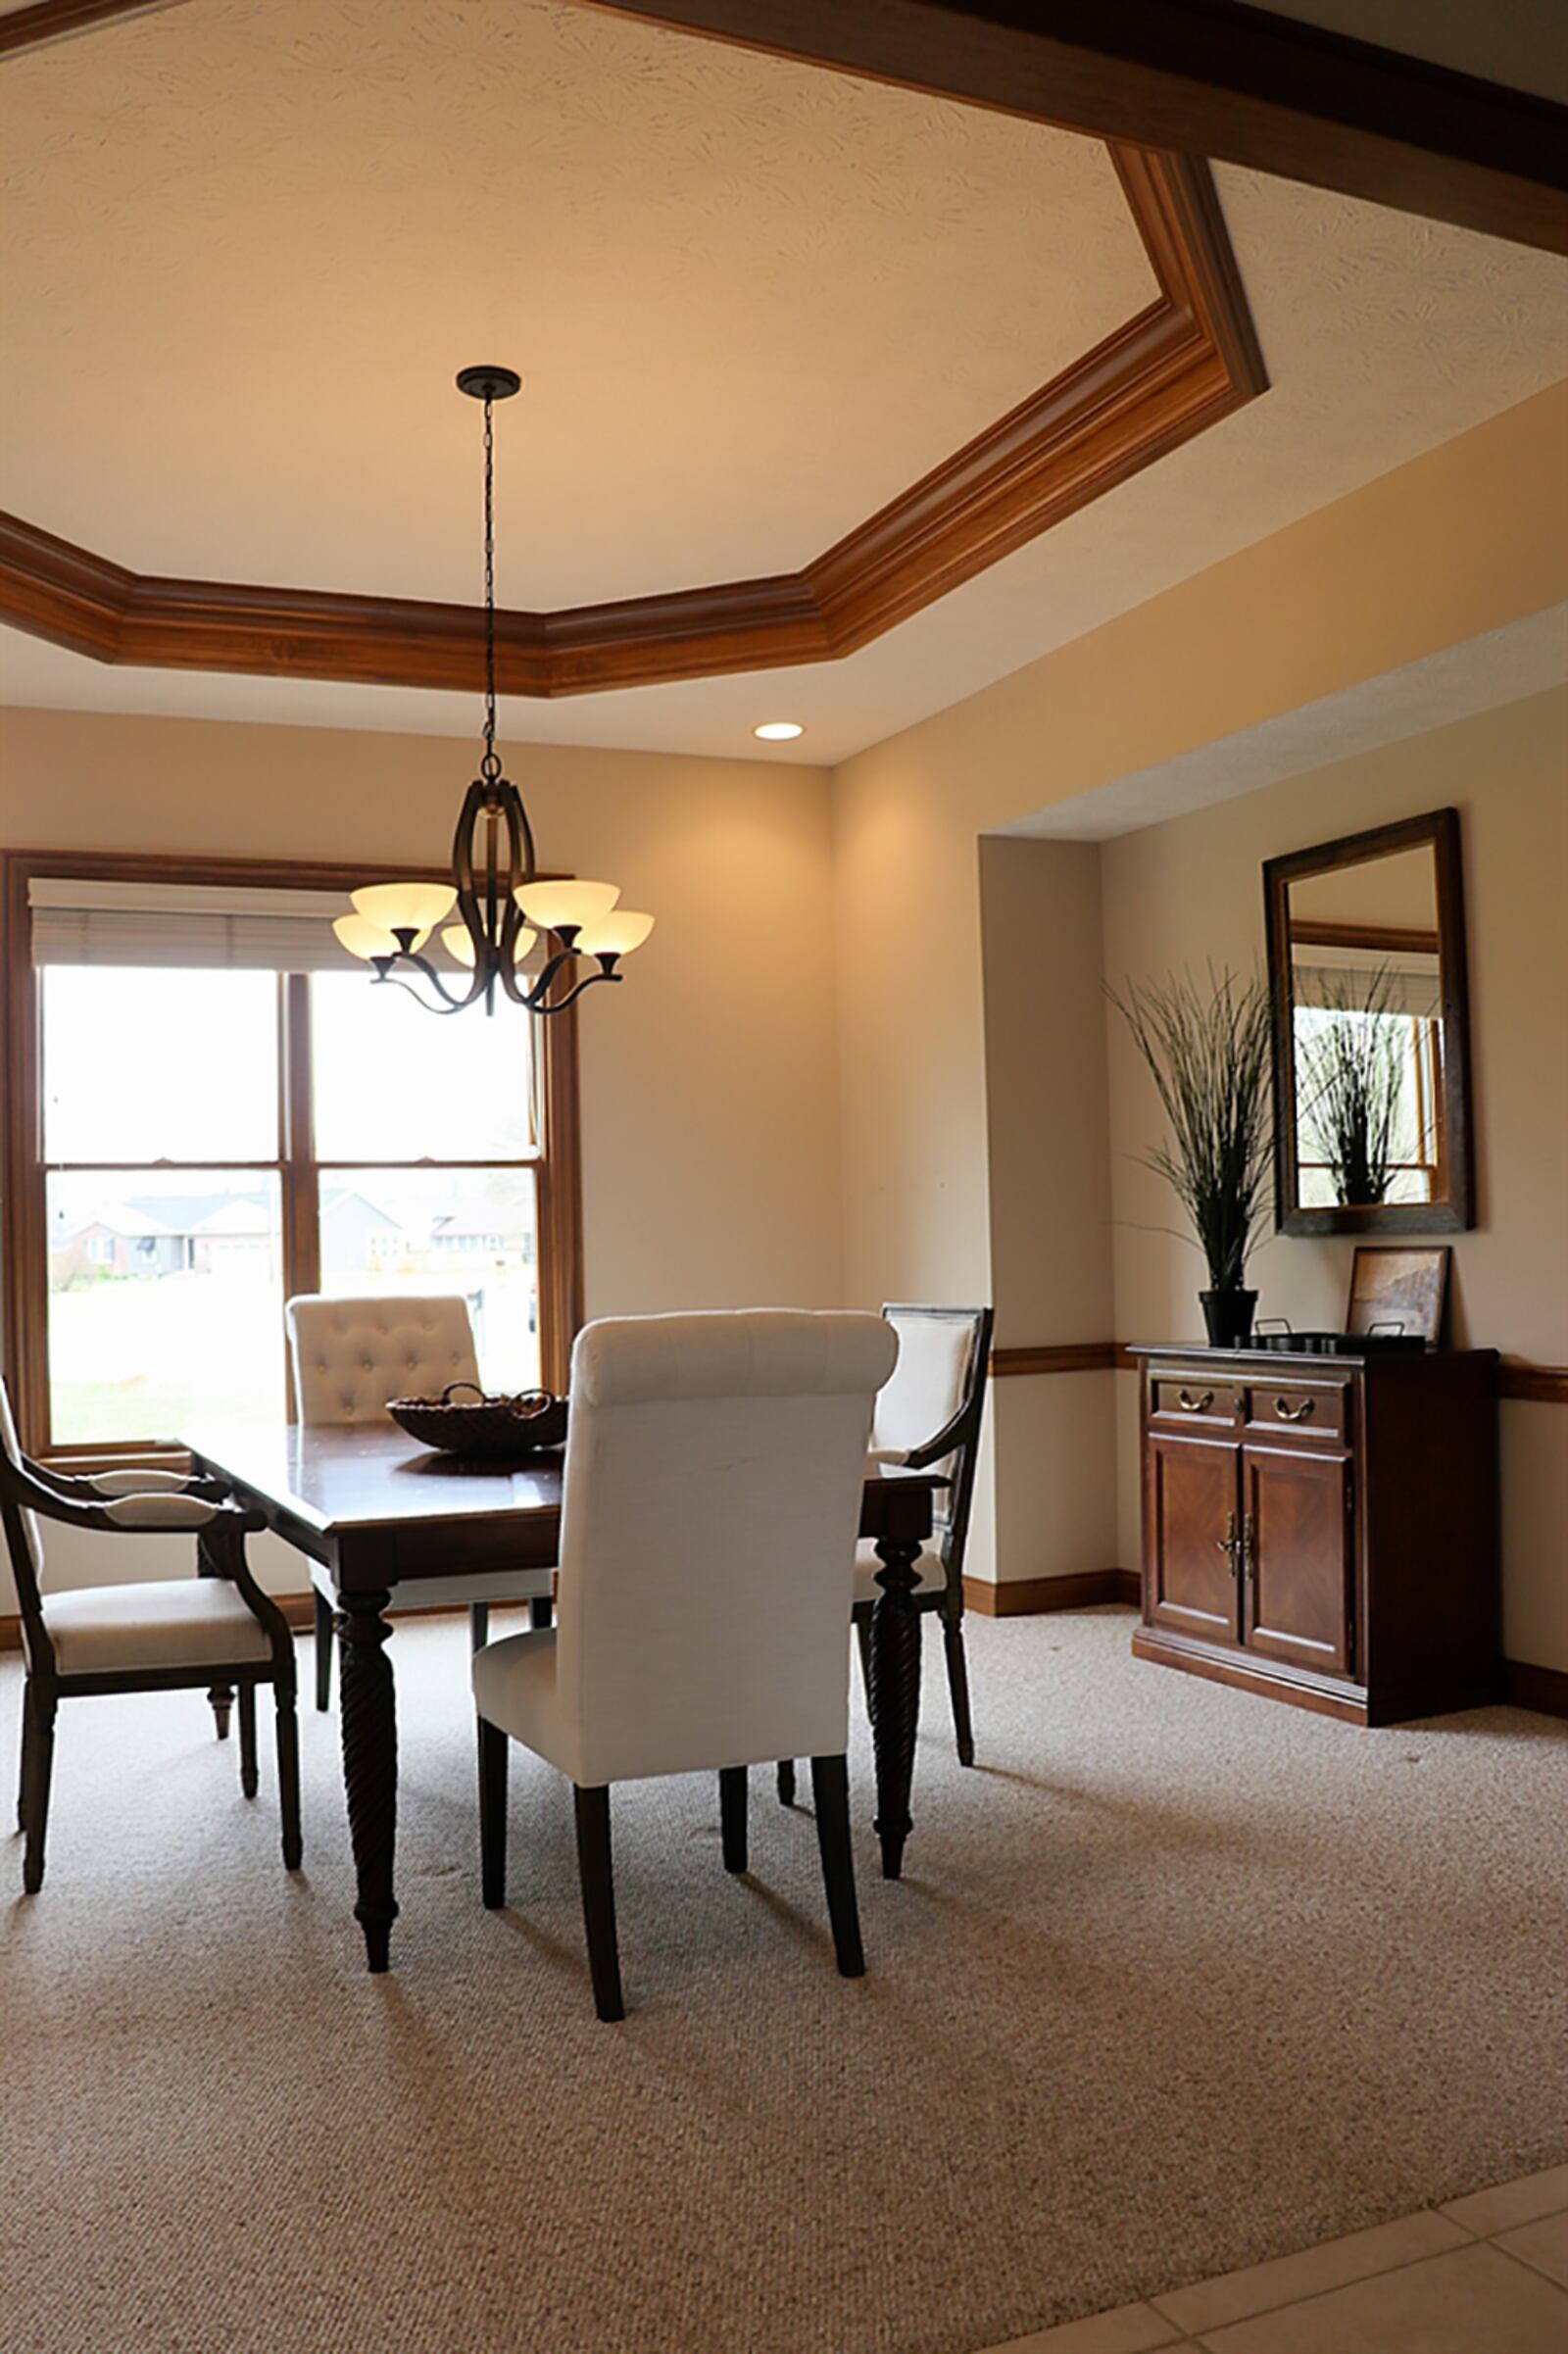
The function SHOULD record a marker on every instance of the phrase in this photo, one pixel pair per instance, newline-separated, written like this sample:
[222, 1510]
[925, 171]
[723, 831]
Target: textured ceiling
[245, 250]
[1384, 335]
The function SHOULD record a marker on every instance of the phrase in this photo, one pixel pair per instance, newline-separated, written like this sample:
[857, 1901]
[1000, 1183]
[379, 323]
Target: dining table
[372, 1507]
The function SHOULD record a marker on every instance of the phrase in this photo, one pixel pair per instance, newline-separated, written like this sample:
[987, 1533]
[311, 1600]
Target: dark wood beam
[1212, 78]
[49, 20]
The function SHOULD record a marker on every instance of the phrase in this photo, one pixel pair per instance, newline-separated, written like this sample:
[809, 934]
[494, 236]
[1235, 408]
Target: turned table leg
[895, 1695]
[368, 1714]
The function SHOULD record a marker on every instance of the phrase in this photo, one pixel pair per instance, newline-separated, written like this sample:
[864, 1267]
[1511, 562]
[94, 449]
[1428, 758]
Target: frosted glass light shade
[405, 907]
[458, 943]
[362, 938]
[618, 935]
[553, 906]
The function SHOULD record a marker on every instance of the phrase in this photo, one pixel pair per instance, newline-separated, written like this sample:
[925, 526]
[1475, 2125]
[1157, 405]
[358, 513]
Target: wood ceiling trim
[51, 21]
[1188, 359]
[1208, 76]
[1211, 77]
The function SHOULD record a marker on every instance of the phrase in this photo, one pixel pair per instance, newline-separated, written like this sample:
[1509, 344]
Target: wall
[1461, 541]
[1178, 895]
[710, 1127]
[1048, 1136]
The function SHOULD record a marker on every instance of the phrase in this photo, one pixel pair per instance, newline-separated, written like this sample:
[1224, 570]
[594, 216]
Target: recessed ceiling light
[780, 731]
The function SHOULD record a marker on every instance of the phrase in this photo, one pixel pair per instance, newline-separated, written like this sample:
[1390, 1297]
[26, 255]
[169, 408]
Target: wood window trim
[23, 1230]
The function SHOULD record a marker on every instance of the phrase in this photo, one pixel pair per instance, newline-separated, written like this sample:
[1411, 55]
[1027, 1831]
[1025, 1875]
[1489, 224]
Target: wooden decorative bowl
[501, 1429]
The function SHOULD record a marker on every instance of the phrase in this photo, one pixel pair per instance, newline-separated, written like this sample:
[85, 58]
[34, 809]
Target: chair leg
[323, 1652]
[830, 1788]
[493, 1750]
[732, 1816]
[785, 1782]
[599, 1898]
[222, 1697]
[22, 1769]
[39, 1722]
[541, 1612]
[288, 1776]
[478, 1625]
[959, 1687]
[249, 1773]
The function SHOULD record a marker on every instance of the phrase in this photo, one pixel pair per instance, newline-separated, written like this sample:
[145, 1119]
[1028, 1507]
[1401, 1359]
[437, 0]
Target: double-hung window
[211, 1107]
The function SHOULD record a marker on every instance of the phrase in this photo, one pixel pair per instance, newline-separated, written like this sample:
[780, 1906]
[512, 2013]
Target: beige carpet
[1179, 1981]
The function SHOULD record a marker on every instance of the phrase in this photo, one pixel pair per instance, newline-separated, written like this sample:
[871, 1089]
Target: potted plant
[1209, 1054]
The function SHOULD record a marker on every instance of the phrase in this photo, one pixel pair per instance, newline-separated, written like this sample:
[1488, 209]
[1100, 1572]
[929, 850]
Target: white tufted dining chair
[349, 1357]
[170, 1634]
[714, 1466]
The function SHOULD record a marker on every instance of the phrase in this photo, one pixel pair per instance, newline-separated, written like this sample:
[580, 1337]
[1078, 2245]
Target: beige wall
[1178, 895]
[1048, 1142]
[1461, 541]
[709, 1082]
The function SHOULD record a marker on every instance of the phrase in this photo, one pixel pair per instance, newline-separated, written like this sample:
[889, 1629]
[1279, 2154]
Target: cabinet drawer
[1298, 1409]
[1181, 1400]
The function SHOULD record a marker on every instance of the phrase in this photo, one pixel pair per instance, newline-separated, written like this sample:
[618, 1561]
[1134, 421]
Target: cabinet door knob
[1227, 1545]
[1195, 1405]
[1250, 1548]
[1298, 1413]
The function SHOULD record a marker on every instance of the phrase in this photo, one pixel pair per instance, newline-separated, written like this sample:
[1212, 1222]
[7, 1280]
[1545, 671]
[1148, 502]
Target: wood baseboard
[1025, 1597]
[1543, 1688]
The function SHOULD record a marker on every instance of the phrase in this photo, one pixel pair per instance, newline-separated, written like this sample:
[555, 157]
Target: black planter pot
[1228, 1316]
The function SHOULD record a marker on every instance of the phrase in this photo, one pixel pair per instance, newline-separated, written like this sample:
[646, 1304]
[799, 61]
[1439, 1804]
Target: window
[211, 1108]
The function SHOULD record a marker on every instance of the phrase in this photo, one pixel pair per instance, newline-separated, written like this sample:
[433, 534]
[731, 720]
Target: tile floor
[1488, 2275]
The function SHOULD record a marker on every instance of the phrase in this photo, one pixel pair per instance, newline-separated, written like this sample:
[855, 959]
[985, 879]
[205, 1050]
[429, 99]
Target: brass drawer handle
[1195, 1405]
[1289, 1413]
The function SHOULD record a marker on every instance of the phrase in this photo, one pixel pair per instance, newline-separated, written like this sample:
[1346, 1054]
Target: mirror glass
[1366, 1034]
[1368, 1007]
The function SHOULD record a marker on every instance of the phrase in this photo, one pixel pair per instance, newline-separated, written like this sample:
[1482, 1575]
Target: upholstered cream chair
[172, 1634]
[928, 1418]
[349, 1357]
[713, 1472]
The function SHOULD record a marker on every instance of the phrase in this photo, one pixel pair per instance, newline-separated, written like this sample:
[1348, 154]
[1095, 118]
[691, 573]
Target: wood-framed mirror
[1366, 960]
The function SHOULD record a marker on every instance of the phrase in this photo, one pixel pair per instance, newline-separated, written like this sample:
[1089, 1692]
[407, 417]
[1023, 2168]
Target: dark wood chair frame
[541, 1613]
[220, 1554]
[830, 1788]
[960, 1438]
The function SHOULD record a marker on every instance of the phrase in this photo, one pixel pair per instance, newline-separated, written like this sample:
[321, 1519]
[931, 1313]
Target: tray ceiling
[1383, 337]
[244, 252]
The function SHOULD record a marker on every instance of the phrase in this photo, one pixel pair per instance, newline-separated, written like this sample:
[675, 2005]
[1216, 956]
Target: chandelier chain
[490, 765]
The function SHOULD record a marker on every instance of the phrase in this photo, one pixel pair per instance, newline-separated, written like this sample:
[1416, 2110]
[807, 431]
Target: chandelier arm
[449, 1004]
[535, 1000]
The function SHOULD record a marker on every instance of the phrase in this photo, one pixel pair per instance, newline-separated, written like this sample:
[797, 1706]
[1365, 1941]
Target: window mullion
[301, 1234]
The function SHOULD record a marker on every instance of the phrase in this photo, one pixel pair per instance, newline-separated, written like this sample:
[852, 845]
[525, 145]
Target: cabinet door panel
[1192, 1512]
[1298, 1557]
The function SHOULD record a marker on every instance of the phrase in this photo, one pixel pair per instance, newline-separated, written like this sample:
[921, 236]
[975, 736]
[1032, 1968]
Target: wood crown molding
[1212, 78]
[1188, 360]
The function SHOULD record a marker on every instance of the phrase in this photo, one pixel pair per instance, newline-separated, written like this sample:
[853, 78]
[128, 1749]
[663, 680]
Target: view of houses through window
[171, 1186]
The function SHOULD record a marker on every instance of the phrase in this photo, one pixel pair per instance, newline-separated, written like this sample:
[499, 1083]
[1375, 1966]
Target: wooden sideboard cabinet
[1324, 1530]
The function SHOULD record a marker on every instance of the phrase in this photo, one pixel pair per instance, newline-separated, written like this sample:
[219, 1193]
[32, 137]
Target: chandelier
[503, 909]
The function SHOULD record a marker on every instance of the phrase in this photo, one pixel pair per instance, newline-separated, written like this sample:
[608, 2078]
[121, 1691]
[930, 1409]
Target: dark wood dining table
[372, 1506]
